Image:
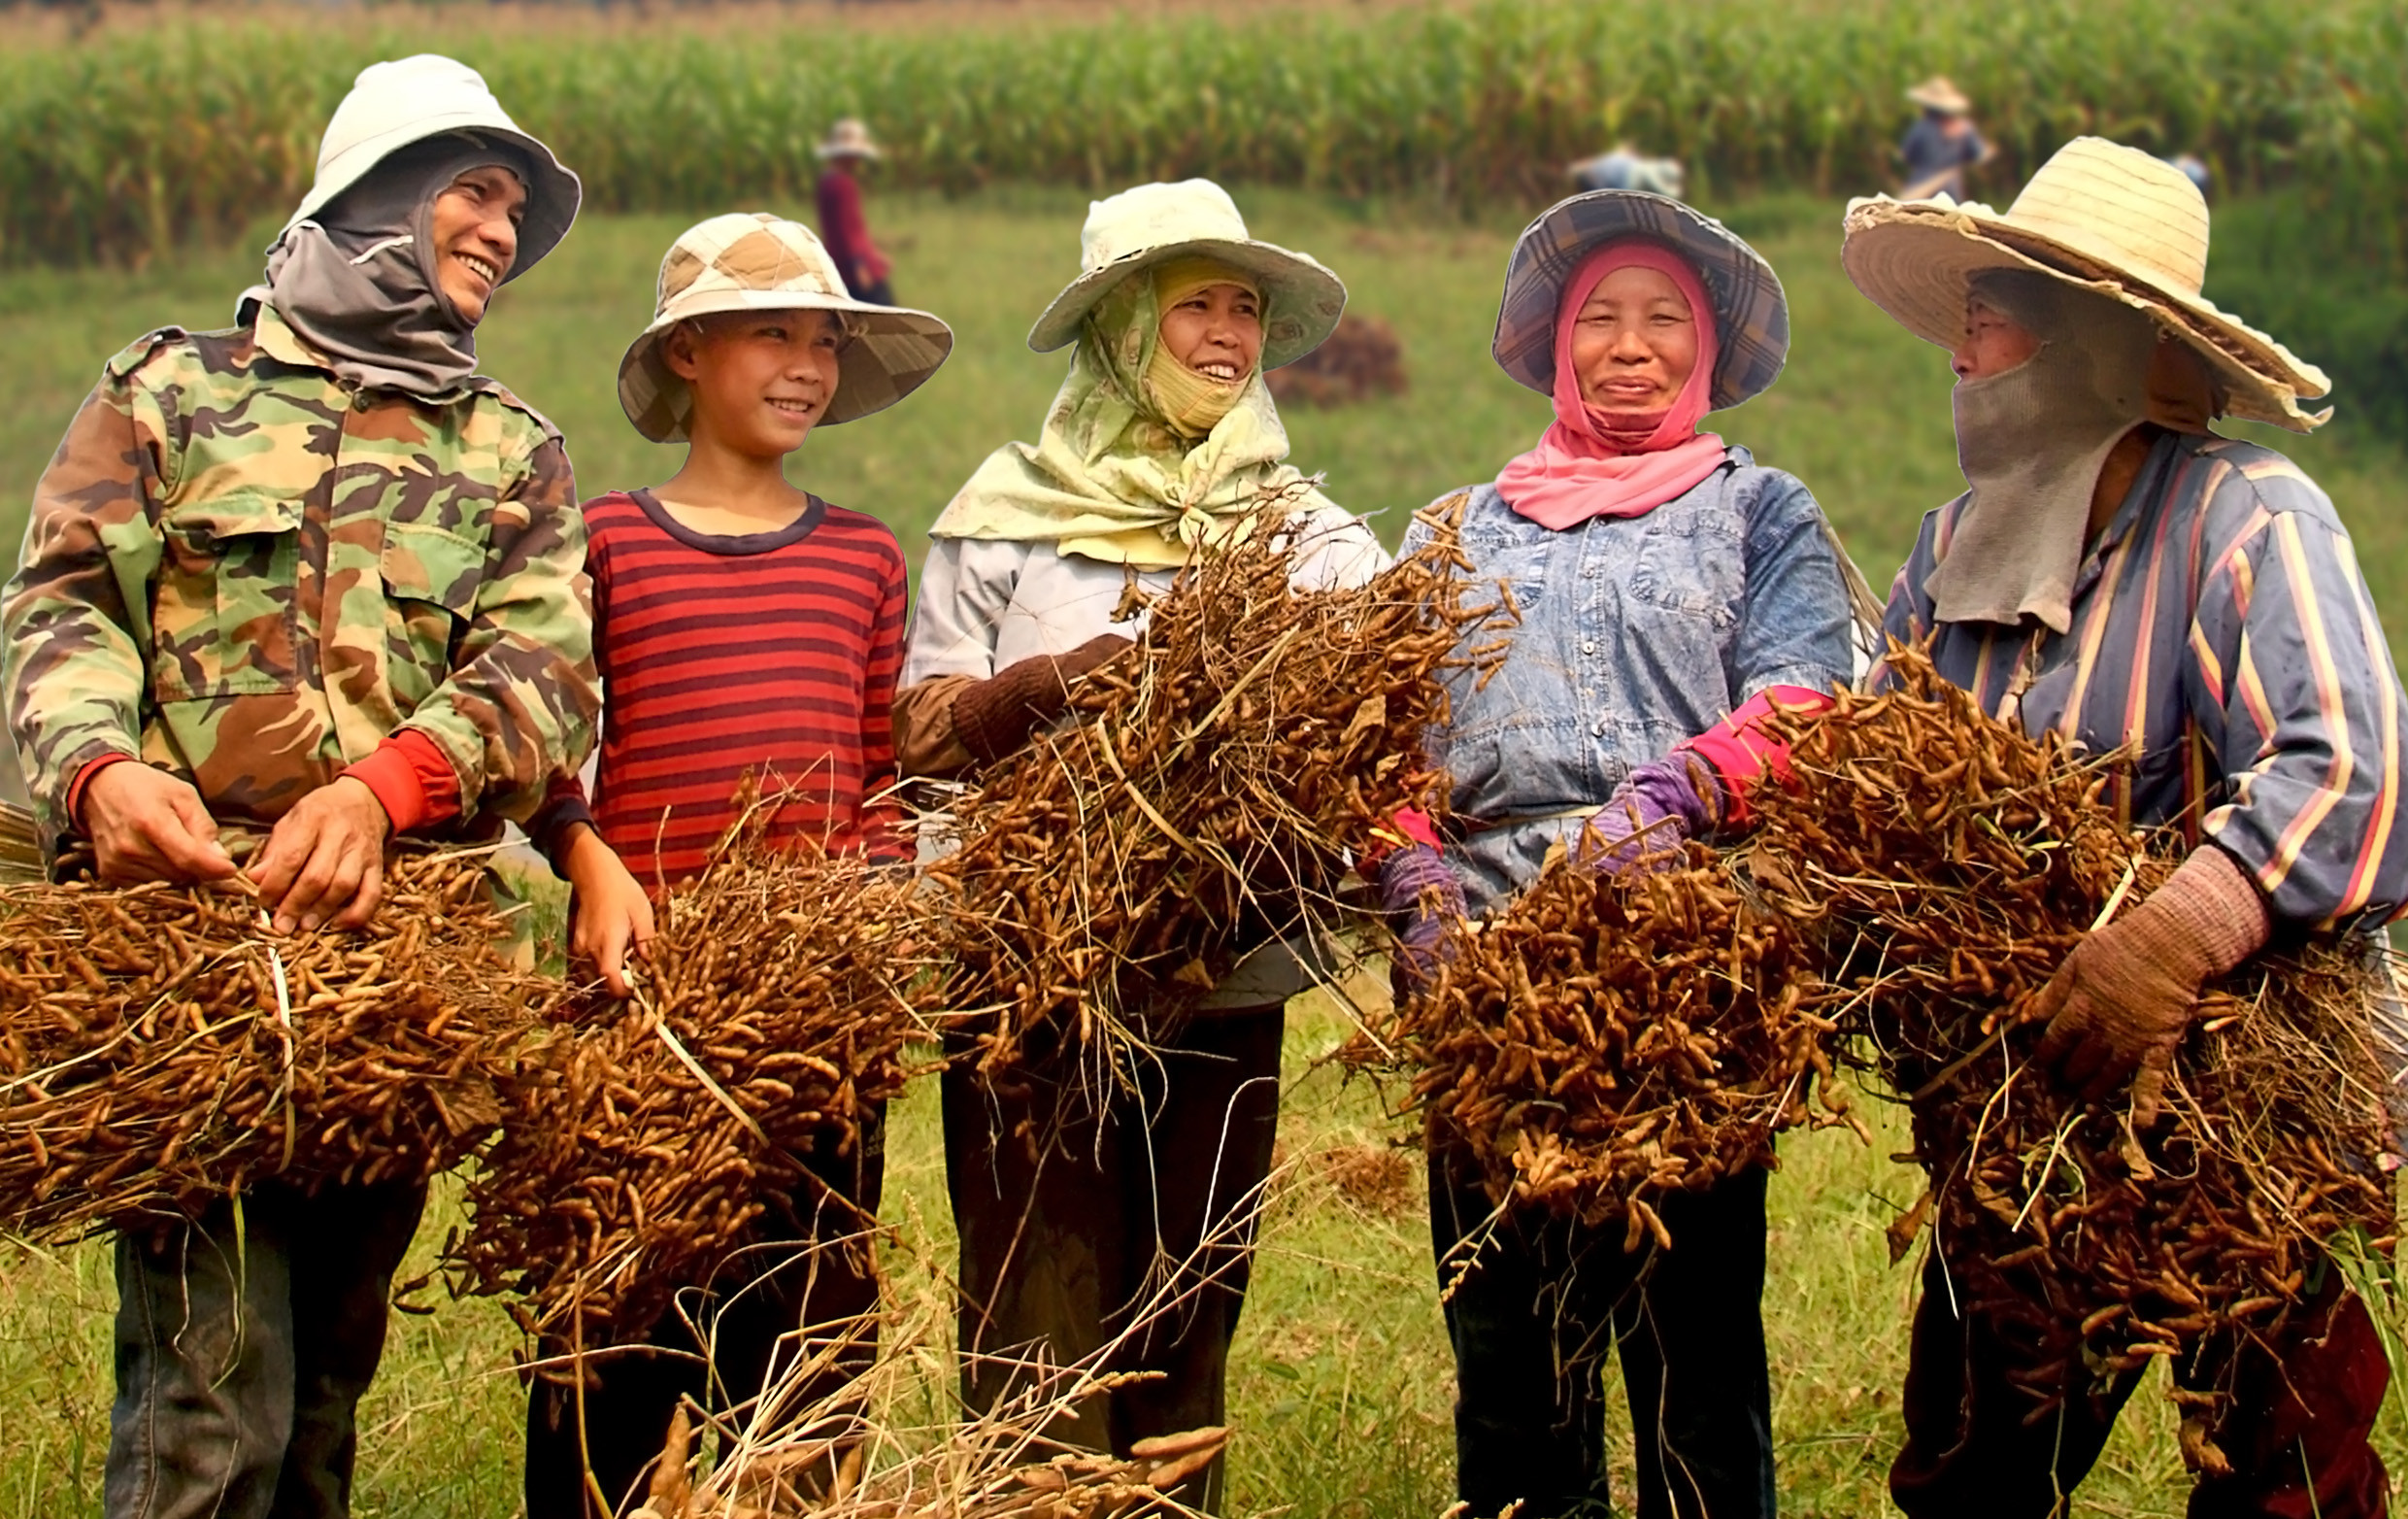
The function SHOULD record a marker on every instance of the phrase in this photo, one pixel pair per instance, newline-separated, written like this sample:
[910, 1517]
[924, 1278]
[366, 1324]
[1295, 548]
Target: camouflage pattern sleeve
[519, 707]
[74, 618]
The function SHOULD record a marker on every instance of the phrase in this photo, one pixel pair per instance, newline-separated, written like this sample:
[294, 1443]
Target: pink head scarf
[1592, 462]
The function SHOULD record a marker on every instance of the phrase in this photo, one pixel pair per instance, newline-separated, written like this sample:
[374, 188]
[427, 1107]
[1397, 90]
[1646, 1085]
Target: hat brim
[1917, 259]
[893, 351]
[1751, 312]
[1947, 105]
[551, 200]
[1303, 299]
[869, 151]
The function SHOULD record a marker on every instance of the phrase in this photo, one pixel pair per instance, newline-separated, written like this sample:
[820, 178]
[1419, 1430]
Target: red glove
[1739, 751]
[2118, 1008]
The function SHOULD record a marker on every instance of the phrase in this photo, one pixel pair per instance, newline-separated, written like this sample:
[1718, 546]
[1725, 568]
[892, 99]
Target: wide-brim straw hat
[1936, 93]
[849, 138]
[409, 100]
[1751, 314]
[755, 262]
[1129, 234]
[2099, 215]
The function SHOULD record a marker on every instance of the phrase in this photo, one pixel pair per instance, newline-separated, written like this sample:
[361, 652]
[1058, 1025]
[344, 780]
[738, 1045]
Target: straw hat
[755, 262]
[2107, 217]
[849, 138]
[1936, 93]
[1129, 234]
[1751, 314]
[408, 100]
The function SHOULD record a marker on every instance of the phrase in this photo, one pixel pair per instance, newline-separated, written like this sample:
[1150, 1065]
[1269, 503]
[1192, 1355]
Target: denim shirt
[1636, 633]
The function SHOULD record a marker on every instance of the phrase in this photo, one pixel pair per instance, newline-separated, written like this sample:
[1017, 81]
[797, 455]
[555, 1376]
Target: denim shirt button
[1588, 646]
[1596, 729]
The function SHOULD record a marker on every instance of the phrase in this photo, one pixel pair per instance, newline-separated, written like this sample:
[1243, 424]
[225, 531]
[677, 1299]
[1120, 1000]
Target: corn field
[133, 140]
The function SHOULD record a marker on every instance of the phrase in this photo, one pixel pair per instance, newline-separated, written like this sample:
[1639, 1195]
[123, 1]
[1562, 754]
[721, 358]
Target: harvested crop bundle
[1598, 1041]
[1212, 788]
[21, 846]
[159, 1048]
[650, 1141]
[1951, 864]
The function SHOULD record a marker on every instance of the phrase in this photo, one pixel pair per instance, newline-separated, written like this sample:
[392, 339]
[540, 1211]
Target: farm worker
[1670, 590]
[1161, 440]
[754, 343]
[2122, 576]
[1626, 168]
[1941, 143]
[312, 577]
[846, 151]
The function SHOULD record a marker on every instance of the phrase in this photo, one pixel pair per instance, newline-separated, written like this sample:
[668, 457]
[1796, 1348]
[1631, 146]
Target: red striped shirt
[770, 655]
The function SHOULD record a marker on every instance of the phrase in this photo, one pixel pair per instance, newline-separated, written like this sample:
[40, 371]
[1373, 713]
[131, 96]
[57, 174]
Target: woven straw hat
[755, 262]
[1751, 314]
[1936, 93]
[2099, 215]
[1128, 234]
[849, 138]
[409, 100]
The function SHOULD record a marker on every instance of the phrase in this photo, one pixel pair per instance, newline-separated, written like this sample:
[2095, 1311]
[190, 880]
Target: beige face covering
[1191, 402]
[2031, 442]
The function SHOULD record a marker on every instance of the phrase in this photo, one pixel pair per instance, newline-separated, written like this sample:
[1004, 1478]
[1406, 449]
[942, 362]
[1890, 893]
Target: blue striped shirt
[2220, 628]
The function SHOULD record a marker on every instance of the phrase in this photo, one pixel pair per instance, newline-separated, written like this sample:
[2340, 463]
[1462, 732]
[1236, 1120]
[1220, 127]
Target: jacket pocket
[1692, 568]
[224, 620]
[431, 579]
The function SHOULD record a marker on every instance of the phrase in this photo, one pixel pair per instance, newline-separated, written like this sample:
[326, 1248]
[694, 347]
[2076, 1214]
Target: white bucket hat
[1131, 232]
[409, 100]
[750, 260]
[849, 138]
[2099, 215]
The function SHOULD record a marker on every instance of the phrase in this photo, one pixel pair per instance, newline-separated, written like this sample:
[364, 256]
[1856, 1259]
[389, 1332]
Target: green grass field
[1341, 1390]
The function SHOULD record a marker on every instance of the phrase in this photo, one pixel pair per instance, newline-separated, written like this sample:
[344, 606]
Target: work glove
[995, 716]
[2118, 1008]
[1417, 887]
[1657, 809]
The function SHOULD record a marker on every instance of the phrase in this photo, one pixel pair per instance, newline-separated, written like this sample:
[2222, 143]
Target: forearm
[925, 742]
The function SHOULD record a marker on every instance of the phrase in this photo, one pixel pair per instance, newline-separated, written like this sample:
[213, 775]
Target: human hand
[1095, 651]
[609, 913]
[2118, 1008]
[1416, 884]
[1651, 815]
[147, 824]
[325, 862]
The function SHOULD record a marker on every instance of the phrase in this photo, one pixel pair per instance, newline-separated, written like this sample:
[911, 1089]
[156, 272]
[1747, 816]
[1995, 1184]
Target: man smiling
[290, 590]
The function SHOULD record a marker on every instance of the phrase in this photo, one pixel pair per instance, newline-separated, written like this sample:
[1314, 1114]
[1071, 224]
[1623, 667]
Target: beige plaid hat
[2100, 214]
[750, 260]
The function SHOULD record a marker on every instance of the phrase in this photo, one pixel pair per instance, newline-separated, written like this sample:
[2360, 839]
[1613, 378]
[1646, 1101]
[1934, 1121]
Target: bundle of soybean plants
[1209, 792]
[664, 1134]
[1948, 864]
[161, 1049]
[1603, 1039]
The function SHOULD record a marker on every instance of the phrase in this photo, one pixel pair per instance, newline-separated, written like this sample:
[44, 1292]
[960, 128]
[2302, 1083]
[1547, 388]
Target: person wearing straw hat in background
[315, 578]
[754, 343]
[1162, 441]
[846, 151]
[1670, 590]
[2122, 576]
[1942, 142]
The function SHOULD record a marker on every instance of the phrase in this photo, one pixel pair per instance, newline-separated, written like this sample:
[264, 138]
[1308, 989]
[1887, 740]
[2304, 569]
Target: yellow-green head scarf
[1112, 476]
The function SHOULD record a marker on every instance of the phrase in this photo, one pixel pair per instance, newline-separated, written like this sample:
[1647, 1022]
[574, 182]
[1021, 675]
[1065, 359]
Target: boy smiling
[745, 629]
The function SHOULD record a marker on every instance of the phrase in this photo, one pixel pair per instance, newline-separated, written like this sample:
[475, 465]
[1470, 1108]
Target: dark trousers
[1537, 1302]
[2294, 1432]
[243, 1347]
[1074, 1221]
[739, 1337]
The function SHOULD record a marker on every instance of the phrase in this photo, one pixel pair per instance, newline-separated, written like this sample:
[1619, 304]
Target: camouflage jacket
[243, 570]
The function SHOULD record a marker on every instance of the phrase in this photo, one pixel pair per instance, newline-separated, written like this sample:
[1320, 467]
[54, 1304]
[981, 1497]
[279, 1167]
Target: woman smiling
[1163, 441]
[1669, 589]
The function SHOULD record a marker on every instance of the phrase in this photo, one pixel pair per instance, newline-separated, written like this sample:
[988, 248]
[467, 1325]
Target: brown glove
[2118, 1008]
[996, 716]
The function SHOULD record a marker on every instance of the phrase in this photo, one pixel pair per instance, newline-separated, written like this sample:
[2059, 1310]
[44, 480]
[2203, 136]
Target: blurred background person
[1627, 169]
[1941, 143]
[847, 149]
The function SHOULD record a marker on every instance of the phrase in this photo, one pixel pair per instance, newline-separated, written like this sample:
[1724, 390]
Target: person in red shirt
[848, 147]
[745, 631]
